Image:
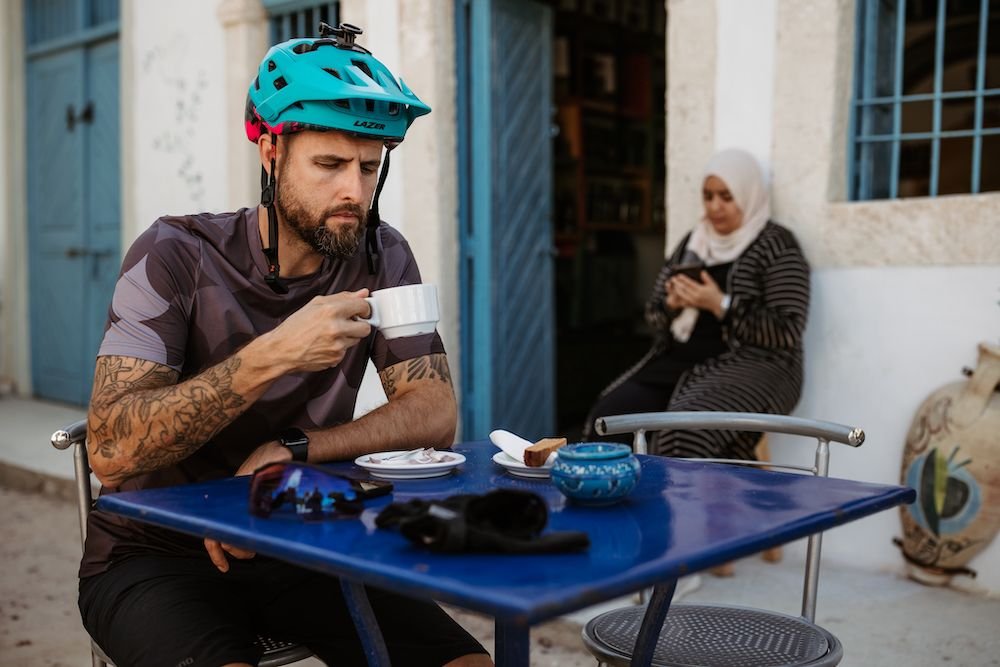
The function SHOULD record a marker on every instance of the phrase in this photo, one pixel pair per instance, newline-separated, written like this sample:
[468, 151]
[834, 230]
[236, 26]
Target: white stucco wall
[14, 355]
[902, 291]
[174, 153]
[744, 76]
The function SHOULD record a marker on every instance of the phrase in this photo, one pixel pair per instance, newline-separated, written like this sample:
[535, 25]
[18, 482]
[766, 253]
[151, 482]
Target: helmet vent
[256, 83]
[271, 66]
[332, 72]
[363, 66]
[370, 106]
[304, 47]
[343, 104]
[280, 83]
[393, 108]
[298, 105]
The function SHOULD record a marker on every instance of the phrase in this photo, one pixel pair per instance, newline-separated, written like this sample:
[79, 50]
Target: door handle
[86, 115]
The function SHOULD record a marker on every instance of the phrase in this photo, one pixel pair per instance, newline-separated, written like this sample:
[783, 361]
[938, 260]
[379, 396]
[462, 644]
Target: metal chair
[723, 635]
[276, 652]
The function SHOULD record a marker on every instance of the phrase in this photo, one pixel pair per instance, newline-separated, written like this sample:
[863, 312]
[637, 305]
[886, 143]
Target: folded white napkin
[514, 445]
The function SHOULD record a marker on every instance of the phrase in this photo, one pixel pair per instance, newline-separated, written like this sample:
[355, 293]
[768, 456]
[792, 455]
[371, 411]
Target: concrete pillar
[244, 24]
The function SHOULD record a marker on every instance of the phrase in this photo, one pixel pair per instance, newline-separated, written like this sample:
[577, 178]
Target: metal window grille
[289, 19]
[925, 115]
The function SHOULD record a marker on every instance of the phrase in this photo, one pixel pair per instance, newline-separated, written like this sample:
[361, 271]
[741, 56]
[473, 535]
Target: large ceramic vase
[952, 459]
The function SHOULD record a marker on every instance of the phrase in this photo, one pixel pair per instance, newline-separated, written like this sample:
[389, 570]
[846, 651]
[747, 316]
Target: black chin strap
[371, 234]
[267, 192]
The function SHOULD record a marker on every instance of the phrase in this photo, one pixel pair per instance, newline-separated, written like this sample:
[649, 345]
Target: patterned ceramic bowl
[595, 473]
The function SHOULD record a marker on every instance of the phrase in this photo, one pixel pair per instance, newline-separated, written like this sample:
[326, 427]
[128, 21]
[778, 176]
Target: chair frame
[276, 653]
[824, 432]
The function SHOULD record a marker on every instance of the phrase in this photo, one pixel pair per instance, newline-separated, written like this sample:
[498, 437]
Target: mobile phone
[692, 271]
[372, 488]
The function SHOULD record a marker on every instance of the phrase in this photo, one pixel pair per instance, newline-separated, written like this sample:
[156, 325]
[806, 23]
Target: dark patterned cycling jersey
[190, 294]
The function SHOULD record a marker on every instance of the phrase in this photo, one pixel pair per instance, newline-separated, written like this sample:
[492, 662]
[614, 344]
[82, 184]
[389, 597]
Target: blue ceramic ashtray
[595, 473]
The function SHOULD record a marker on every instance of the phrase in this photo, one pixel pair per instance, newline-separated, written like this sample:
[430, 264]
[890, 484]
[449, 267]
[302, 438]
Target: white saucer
[515, 467]
[391, 470]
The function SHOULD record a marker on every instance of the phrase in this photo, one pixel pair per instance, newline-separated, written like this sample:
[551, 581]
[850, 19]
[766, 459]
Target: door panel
[56, 229]
[73, 177]
[103, 187]
[508, 315]
[522, 102]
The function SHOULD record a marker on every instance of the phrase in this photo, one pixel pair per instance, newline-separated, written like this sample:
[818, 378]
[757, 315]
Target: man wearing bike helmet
[218, 358]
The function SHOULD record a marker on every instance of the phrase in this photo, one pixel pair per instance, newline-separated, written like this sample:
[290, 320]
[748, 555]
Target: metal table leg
[652, 623]
[513, 644]
[365, 622]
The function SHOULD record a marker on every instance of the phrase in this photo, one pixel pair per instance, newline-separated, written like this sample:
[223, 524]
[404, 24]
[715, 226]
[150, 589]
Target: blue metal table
[683, 517]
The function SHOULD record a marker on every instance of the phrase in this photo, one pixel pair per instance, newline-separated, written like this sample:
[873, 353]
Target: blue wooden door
[73, 188]
[505, 102]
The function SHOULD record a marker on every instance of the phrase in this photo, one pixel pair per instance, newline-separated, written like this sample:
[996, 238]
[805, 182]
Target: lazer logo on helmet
[369, 124]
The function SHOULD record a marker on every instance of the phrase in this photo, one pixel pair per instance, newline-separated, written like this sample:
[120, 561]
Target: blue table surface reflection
[683, 517]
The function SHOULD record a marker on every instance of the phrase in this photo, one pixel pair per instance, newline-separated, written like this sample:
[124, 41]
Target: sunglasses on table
[309, 492]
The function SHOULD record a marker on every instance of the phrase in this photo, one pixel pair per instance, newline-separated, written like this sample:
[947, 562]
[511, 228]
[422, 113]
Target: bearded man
[218, 360]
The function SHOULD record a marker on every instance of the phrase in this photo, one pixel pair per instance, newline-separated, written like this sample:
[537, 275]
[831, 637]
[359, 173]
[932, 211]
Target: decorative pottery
[952, 459]
[595, 473]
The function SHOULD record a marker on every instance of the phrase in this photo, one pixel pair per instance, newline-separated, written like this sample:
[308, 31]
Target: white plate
[392, 470]
[515, 467]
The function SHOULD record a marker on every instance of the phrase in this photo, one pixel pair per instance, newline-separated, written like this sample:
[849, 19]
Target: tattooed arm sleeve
[141, 419]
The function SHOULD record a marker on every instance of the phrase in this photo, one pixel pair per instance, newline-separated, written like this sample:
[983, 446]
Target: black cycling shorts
[183, 612]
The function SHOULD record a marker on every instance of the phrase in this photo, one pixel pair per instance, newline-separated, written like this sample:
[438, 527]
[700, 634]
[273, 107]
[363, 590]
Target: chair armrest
[730, 421]
[74, 434]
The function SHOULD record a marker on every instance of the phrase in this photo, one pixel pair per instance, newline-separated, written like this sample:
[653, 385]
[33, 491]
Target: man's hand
[217, 552]
[269, 452]
[318, 335]
[682, 292]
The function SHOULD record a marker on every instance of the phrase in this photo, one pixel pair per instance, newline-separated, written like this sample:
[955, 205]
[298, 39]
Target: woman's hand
[682, 292]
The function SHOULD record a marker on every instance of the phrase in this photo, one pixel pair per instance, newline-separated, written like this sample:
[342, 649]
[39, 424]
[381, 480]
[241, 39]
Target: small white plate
[393, 470]
[515, 467]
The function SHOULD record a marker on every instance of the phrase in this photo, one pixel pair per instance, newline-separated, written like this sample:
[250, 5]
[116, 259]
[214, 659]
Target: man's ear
[267, 150]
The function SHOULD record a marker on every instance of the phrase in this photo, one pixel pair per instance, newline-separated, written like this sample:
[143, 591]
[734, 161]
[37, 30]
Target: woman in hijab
[728, 324]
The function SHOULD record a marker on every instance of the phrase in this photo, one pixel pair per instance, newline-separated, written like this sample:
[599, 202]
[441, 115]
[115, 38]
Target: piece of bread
[537, 454]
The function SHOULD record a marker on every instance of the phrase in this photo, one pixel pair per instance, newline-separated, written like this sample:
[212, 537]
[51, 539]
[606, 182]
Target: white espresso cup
[407, 310]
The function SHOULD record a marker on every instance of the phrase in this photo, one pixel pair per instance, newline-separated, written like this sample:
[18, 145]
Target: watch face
[294, 436]
[297, 443]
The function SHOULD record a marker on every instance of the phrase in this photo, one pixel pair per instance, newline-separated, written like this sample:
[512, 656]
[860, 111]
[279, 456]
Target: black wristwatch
[297, 442]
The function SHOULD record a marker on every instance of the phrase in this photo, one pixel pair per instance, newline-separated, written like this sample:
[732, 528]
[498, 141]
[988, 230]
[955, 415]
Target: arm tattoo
[141, 418]
[429, 367]
[389, 380]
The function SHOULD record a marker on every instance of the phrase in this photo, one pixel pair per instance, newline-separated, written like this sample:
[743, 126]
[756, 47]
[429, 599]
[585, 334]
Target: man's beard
[339, 243]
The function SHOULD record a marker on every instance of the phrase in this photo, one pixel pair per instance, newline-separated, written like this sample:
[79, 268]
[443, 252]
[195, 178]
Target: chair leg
[763, 453]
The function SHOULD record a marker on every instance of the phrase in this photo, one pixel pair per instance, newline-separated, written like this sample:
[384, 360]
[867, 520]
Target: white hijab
[743, 176]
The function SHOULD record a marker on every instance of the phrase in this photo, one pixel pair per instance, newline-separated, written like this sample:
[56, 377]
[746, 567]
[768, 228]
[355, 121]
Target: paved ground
[881, 618]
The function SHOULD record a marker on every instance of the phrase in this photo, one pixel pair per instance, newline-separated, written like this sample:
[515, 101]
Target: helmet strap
[371, 234]
[268, 187]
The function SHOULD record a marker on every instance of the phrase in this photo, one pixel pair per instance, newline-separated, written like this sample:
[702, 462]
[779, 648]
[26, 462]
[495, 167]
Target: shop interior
[609, 176]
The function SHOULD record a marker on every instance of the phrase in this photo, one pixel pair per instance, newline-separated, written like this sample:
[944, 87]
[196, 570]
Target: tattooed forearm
[430, 367]
[140, 420]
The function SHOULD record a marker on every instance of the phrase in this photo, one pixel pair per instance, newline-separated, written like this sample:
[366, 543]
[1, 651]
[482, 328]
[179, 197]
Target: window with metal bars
[925, 116]
[289, 19]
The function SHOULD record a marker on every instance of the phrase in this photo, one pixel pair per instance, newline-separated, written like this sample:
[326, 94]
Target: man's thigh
[309, 608]
[172, 612]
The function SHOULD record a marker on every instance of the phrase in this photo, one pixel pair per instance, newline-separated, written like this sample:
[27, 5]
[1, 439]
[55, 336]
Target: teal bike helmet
[325, 84]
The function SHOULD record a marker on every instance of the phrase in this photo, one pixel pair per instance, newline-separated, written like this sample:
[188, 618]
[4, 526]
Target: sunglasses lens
[309, 492]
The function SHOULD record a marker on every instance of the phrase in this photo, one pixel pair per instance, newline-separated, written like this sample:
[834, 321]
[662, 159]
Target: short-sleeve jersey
[191, 293]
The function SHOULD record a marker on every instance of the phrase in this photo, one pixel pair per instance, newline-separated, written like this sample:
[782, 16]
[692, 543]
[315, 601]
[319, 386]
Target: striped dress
[761, 371]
